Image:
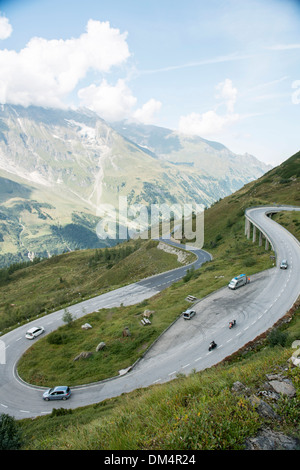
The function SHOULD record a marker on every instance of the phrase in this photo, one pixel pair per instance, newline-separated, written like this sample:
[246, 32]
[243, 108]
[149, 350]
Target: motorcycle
[232, 324]
[212, 345]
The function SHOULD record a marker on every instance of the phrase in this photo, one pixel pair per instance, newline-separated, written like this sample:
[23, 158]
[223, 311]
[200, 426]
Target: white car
[34, 332]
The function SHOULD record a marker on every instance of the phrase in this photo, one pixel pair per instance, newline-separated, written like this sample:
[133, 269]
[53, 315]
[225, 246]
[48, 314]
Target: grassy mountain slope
[68, 278]
[280, 185]
[198, 411]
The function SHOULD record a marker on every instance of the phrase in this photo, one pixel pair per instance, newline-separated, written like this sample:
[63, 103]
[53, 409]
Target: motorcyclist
[212, 344]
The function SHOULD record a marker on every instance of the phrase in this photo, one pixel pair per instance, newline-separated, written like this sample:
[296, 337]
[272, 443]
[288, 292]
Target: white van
[238, 281]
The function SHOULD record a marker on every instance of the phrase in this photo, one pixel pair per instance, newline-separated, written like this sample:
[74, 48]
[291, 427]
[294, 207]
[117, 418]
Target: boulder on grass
[100, 346]
[148, 313]
[83, 355]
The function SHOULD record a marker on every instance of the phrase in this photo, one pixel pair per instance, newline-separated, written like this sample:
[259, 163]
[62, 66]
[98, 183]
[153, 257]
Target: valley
[58, 167]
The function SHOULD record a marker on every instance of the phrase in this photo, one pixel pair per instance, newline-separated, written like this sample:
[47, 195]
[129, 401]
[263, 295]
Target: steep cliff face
[67, 163]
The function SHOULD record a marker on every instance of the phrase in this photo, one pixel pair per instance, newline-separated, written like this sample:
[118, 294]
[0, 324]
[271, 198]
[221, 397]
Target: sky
[226, 70]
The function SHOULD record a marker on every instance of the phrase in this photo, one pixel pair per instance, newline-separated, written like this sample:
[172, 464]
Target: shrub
[277, 337]
[67, 317]
[60, 412]
[249, 261]
[189, 274]
[57, 338]
[10, 435]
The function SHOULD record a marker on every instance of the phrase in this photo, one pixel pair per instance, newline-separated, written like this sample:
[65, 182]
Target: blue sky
[225, 70]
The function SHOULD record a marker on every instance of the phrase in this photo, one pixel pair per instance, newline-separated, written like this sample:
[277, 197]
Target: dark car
[57, 393]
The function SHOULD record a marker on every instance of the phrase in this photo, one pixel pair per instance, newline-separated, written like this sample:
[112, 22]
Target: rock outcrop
[275, 387]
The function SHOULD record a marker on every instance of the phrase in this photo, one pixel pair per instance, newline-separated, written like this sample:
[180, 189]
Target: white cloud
[145, 114]
[5, 28]
[296, 94]
[211, 124]
[208, 124]
[112, 103]
[227, 93]
[46, 71]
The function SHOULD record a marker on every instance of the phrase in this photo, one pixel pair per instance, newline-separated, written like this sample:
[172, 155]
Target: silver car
[283, 264]
[188, 314]
[57, 393]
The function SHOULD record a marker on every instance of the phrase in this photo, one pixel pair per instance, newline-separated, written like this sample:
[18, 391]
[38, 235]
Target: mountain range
[58, 166]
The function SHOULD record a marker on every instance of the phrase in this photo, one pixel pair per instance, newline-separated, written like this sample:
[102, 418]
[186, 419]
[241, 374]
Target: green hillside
[281, 185]
[198, 411]
[71, 277]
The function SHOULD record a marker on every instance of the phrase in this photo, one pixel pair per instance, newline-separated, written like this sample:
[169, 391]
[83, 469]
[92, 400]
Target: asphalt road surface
[184, 346]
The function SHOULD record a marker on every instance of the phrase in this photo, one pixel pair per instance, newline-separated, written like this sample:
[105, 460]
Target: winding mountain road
[184, 346]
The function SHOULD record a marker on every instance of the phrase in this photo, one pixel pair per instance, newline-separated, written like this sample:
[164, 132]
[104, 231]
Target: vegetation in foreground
[198, 412]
